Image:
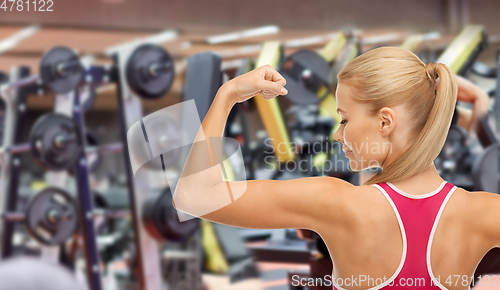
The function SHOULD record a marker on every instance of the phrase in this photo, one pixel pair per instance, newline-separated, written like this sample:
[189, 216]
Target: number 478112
[20, 5]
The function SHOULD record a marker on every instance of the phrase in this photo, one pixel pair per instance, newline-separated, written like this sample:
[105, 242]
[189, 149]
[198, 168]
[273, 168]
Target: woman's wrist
[226, 94]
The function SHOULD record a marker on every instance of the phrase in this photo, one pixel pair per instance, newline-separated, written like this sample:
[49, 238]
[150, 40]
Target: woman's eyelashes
[343, 122]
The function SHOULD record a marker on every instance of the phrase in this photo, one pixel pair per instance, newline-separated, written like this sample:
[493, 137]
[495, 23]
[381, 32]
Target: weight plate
[143, 78]
[161, 220]
[46, 151]
[51, 216]
[486, 170]
[61, 70]
[306, 72]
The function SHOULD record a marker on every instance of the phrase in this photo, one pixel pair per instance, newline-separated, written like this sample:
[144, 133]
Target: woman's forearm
[480, 108]
[215, 121]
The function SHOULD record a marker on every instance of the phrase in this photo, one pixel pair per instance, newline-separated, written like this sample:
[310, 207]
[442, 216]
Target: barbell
[51, 217]
[60, 70]
[149, 72]
[55, 143]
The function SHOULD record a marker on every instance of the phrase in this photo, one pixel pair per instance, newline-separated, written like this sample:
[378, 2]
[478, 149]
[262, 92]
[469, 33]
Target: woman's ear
[386, 121]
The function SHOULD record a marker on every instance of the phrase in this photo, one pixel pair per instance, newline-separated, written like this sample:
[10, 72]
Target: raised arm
[201, 190]
[470, 93]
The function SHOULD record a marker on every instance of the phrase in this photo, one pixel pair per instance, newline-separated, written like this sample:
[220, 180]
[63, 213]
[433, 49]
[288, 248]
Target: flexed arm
[202, 191]
[470, 93]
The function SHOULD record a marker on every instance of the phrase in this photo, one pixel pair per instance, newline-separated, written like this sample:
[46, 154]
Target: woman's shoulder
[473, 199]
[480, 212]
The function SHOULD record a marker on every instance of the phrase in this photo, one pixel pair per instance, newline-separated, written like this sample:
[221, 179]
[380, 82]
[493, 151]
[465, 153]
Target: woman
[405, 226]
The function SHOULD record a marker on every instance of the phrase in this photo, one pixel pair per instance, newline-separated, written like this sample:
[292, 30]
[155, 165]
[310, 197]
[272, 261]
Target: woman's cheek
[351, 137]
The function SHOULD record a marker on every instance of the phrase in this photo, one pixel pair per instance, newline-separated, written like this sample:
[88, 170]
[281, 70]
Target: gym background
[156, 251]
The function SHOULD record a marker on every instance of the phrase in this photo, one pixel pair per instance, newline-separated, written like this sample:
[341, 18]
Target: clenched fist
[264, 80]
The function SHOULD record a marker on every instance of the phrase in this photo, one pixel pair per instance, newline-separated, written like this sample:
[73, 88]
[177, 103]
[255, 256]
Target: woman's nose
[337, 135]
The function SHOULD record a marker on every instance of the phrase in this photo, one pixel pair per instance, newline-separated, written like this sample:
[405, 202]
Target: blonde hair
[389, 76]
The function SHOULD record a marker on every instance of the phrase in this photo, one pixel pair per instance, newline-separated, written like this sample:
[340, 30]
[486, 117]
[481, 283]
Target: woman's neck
[422, 183]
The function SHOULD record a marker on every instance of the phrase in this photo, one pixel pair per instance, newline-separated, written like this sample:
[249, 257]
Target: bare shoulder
[480, 203]
[479, 212]
[473, 201]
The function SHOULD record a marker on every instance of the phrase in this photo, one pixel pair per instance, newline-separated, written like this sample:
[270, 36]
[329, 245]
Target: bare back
[371, 243]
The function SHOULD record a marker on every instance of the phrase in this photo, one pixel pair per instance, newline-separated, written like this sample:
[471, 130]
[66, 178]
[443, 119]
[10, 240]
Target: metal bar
[141, 273]
[23, 82]
[13, 216]
[86, 206]
[114, 214]
[130, 111]
[103, 149]
[10, 172]
[94, 73]
[280, 253]
[111, 148]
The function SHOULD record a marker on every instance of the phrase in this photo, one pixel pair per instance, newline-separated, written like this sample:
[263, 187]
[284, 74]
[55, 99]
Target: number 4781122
[20, 5]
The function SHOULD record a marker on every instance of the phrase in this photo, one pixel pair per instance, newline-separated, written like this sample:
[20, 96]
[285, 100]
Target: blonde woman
[405, 227]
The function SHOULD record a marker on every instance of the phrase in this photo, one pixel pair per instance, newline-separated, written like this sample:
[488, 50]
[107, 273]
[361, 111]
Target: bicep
[276, 204]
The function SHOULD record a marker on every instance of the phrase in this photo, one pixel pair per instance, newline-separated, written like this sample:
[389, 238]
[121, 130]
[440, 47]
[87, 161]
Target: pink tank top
[418, 216]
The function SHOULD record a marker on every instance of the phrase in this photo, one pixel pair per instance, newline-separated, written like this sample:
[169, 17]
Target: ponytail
[432, 136]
